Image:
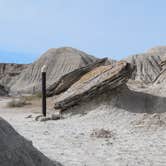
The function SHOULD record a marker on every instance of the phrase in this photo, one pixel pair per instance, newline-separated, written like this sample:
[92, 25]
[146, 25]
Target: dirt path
[69, 140]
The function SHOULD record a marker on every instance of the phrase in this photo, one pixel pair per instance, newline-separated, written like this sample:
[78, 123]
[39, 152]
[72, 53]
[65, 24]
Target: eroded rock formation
[8, 72]
[148, 65]
[67, 80]
[93, 83]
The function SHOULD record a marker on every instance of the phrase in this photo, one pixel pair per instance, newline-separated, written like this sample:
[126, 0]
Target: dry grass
[17, 102]
[33, 97]
[24, 100]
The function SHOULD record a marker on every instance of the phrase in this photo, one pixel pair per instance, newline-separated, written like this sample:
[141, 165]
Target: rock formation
[70, 78]
[17, 151]
[8, 73]
[147, 65]
[58, 61]
[94, 83]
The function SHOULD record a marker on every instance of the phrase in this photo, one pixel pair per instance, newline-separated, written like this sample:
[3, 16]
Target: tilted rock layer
[70, 78]
[94, 83]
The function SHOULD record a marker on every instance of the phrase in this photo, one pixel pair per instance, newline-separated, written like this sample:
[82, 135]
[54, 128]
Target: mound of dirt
[17, 151]
[58, 61]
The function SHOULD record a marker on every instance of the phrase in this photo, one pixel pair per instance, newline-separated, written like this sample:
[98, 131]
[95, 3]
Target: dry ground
[136, 139]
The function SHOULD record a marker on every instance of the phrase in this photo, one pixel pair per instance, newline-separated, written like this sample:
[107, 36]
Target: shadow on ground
[122, 98]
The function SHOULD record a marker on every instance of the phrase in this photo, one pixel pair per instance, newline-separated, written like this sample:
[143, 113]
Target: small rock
[38, 117]
[29, 116]
[43, 119]
[55, 116]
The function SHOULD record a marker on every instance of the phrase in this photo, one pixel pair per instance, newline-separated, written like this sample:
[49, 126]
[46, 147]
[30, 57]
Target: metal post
[43, 91]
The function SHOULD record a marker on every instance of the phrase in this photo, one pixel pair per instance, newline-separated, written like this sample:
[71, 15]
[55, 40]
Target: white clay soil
[138, 139]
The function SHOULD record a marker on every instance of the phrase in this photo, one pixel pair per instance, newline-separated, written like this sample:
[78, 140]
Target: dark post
[43, 91]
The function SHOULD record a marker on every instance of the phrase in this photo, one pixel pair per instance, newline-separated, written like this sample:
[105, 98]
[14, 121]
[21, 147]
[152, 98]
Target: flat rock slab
[70, 78]
[93, 83]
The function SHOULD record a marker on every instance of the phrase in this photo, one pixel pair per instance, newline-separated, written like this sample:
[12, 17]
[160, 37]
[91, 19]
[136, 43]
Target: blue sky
[104, 28]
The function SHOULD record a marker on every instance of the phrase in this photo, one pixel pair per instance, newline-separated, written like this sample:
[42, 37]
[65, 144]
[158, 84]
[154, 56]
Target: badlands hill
[58, 61]
[148, 65]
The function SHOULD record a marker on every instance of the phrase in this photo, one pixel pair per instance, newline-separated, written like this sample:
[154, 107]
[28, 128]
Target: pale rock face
[147, 65]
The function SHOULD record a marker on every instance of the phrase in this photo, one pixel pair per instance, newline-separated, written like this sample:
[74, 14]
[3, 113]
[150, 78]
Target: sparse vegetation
[33, 97]
[38, 95]
[24, 100]
[17, 102]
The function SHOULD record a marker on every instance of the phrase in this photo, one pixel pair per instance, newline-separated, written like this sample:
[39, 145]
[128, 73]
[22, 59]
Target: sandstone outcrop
[67, 80]
[95, 82]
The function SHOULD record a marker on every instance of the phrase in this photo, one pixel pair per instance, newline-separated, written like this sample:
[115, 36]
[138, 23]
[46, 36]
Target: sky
[103, 28]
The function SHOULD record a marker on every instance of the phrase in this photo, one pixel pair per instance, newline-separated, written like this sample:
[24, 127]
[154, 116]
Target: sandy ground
[138, 139]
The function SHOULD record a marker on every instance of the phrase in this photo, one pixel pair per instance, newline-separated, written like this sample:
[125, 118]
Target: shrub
[38, 95]
[17, 102]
